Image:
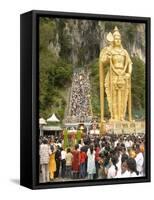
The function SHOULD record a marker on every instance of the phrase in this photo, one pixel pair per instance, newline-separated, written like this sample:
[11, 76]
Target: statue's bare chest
[118, 61]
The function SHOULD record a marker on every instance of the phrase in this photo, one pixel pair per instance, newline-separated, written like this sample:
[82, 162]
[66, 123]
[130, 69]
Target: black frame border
[29, 98]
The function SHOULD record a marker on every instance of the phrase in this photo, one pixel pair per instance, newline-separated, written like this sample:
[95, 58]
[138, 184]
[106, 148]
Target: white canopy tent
[42, 121]
[53, 118]
[49, 128]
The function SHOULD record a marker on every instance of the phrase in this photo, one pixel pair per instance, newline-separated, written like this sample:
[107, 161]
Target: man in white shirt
[139, 160]
[63, 163]
[123, 171]
[127, 144]
[111, 172]
[44, 153]
[130, 143]
[116, 142]
[113, 169]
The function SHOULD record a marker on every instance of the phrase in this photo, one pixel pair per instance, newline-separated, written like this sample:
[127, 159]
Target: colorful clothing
[52, 165]
[76, 161]
[91, 169]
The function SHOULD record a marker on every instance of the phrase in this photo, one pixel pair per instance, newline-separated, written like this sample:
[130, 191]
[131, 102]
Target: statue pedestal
[125, 127]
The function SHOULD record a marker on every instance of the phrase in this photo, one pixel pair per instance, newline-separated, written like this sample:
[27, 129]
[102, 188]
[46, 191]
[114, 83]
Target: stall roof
[52, 128]
[42, 121]
[53, 118]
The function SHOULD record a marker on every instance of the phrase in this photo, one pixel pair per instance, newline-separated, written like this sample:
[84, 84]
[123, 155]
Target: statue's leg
[111, 104]
[115, 104]
[119, 104]
[125, 98]
[122, 114]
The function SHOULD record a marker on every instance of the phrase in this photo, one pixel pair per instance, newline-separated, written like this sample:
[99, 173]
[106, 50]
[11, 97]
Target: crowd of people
[80, 96]
[93, 157]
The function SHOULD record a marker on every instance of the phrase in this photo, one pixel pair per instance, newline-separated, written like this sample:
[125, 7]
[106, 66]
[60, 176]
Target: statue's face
[117, 40]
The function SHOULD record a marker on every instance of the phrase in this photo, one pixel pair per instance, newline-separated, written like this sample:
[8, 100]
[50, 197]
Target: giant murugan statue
[117, 82]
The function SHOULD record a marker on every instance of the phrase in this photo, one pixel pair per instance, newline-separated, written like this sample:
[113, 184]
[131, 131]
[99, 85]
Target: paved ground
[60, 179]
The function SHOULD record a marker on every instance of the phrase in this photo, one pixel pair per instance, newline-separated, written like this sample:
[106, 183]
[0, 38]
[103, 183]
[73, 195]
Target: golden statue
[117, 82]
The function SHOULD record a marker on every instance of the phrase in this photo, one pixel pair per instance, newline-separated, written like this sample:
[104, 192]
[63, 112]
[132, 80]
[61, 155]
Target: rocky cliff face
[80, 41]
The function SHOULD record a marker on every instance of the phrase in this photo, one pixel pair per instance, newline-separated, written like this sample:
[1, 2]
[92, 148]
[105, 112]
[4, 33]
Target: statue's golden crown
[110, 36]
[116, 32]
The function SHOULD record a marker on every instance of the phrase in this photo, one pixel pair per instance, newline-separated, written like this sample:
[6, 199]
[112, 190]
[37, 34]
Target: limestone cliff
[80, 41]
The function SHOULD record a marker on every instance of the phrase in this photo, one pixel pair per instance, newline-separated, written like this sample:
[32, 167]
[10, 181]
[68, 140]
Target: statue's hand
[121, 73]
[127, 75]
[109, 56]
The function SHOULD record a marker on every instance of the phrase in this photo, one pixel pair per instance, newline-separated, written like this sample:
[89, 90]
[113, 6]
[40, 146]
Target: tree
[65, 139]
[54, 73]
[78, 135]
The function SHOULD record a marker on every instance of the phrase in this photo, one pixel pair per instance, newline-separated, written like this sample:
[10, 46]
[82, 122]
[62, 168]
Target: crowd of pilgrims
[80, 97]
[93, 157]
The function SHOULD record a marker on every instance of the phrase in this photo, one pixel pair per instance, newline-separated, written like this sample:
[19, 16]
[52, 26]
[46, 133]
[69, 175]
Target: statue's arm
[130, 68]
[104, 56]
[129, 63]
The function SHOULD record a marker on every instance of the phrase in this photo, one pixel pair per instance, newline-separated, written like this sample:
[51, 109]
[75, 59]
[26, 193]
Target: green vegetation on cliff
[55, 74]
